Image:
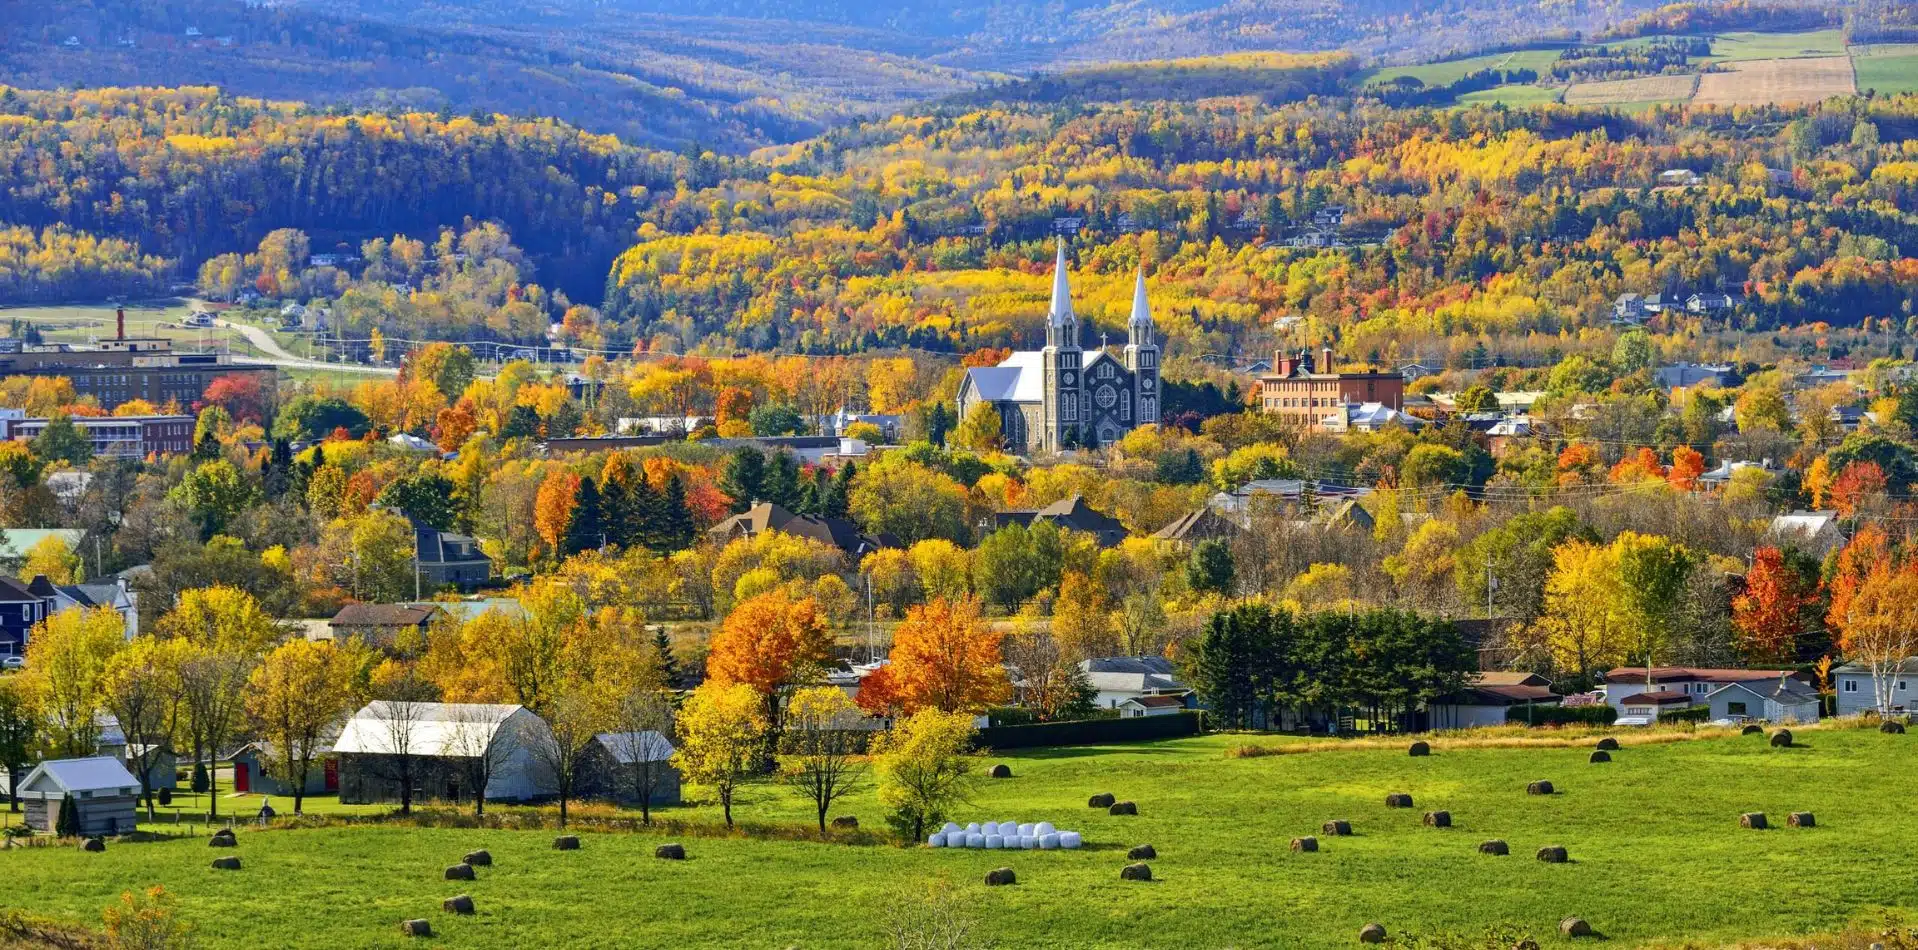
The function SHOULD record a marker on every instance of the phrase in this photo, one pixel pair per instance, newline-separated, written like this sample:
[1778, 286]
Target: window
[1851, 686]
[1734, 709]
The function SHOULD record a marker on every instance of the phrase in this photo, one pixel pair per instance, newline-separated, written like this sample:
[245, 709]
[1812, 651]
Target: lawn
[1891, 69]
[1452, 70]
[87, 323]
[1657, 855]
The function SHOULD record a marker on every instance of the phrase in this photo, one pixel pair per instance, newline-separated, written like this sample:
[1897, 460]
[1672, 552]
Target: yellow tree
[141, 687]
[1586, 623]
[822, 738]
[293, 696]
[67, 656]
[226, 633]
[51, 557]
[924, 767]
[722, 734]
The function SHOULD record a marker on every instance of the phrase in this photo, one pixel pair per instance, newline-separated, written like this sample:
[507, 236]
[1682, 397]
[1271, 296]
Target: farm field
[1449, 71]
[1890, 68]
[1778, 81]
[1224, 875]
[1738, 47]
[1620, 92]
[86, 323]
[1514, 95]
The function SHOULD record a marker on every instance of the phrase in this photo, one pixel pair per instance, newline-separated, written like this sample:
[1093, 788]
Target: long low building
[123, 437]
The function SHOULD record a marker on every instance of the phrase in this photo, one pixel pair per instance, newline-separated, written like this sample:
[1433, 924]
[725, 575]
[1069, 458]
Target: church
[1060, 397]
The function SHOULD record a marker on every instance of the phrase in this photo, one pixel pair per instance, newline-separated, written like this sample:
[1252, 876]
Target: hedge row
[1090, 731]
[1600, 715]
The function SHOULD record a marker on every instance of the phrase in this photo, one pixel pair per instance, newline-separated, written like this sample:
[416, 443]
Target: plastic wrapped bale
[1398, 800]
[1601, 756]
[1336, 829]
[1002, 770]
[975, 840]
[1419, 750]
[935, 840]
[974, 829]
[1025, 829]
[670, 852]
[1123, 808]
[566, 843]
[1043, 828]
[1608, 744]
[1494, 847]
[1781, 739]
[1438, 819]
[1575, 927]
[1755, 820]
[1049, 842]
[1071, 840]
[1101, 800]
[1372, 933]
[1136, 872]
[1801, 819]
[461, 904]
[479, 859]
[1009, 828]
[951, 829]
[460, 872]
[416, 928]
[1306, 844]
[989, 829]
[1539, 788]
[226, 864]
[1553, 854]
[999, 877]
[995, 842]
[1028, 842]
[1144, 852]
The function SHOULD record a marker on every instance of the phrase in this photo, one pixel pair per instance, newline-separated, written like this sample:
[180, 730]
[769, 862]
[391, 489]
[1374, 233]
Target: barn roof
[456, 730]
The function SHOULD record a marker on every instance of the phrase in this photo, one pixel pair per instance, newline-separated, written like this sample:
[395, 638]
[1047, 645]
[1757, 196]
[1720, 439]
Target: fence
[1090, 731]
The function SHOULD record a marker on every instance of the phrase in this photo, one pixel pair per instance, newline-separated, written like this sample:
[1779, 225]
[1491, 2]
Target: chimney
[120, 321]
[1281, 363]
[1325, 358]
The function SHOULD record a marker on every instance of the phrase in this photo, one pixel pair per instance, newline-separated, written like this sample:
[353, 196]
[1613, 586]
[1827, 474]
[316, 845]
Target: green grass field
[1657, 857]
[86, 323]
[1438, 74]
[1890, 68]
[1733, 47]
[1515, 96]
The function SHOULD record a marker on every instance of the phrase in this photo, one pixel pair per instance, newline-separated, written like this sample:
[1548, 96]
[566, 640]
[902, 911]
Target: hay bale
[975, 840]
[566, 843]
[1539, 788]
[1892, 728]
[1136, 872]
[416, 928]
[1122, 808]
[1781, 739]
[1575, 927]
[1601, 756]
[1755, 820]
[460, 872]
[1338, 828]
[935, 840]
[1419, 750]
[1049, 842]
[460, 904]
[1306, 844]
[223, 839]
[995, 842]
[1144, 852]
[228, 863]
[1553, 854]
[1608, 744]
[1069, 840]
[1801, 819]
[670, 852]
[1372, 933]
[1398, 800]
[1494, 846]
[94, 844]
[999, 877]
[1043, 828]
[1002, 770]
[1752, 729]
[479, 859]
[1101, 800]
[1438, 819]
[1028, 842]
[845, 822]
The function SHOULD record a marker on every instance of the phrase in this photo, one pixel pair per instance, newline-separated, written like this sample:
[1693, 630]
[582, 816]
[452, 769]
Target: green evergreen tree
[67, 825]
[744, 477]
[613, 504]
[1210, 569]
[839, 503]
[586, 530]
[781, 483]
[668, 665]
[521, 423]
[676, 529]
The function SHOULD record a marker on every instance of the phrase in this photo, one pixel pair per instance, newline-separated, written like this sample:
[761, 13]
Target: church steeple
[1062, 325]
[1139, 329]
[1142, 354]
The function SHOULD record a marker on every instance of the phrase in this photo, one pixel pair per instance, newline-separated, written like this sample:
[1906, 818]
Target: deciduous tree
[722, 736]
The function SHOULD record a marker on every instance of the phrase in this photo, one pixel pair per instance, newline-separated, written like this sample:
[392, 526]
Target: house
[1722, 475]
[1784, 701]
[766, 516]
[116, 595]
[1679, 177]
[104, 793]
[1201, 525]
[1691, 375]
[1140, 707]
[1858, 689]
[1713, 302]
[1644, 708]
[445, 559]
[1821, 376]
[20, 610]
[1508, 430]
[1368, 417]
[891, 426]
[610, 753]
[1629, 308]
[383, 625]
[1120, 678]
[255, 763]
[1412, 371]
[443, 746]
[1072, 513]
[1814, 532]
[1637, 691]
[1491, 699]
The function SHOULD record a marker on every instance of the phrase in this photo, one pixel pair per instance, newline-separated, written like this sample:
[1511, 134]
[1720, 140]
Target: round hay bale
[1002, 770]
[228, 863]
[1781, 739]
[1043, 828]
[94, 844]
[935, 840]
[1601, 756]
[416, 928]
[479, 859]
[1553, 854]
[1372, 933]
[1525, 943]
[1101, 800]
[1575, 927]
[1419, 750]
[1608, 744]
[460, 904]
[1539, 788]
[1438, 819]
[1752, 729]
[1306, 844]
[1123, 808]
[460, 872]
[999, 877]
[1144, 852]
[1398, 800]
[670, 852]
[1494, 846]
[223, 839]
[566, 843]
[1801, 819]
[1755, 820]
[1136, 872]
[1892, 728]
[1337, 828]
[845, 822]
[166, 796]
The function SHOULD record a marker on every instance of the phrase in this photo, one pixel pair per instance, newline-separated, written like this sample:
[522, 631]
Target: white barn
[443, 739]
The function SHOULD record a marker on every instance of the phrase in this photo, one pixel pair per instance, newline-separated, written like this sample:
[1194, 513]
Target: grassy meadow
[1890, 68]
[1657, 855]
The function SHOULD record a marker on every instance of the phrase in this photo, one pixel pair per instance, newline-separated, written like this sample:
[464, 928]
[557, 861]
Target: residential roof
[15, 592]
[1203, 523]
[384, 615]
[1660, 698]
[1789, 692]
[1070, 512]
[92, 774]
[1137, 674]
[1907, 666]
[445, 547]
[766, 516]
[458, 730]
[1809, 524]
[629, 747]
[1156, 702]
[1629, 675]
[1502, 678]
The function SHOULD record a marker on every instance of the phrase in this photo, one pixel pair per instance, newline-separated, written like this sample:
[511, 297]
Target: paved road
[278, 356]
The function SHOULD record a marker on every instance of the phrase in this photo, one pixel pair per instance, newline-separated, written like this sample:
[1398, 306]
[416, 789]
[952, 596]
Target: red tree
[1770, 614]
[1858, 483]
[240, 394]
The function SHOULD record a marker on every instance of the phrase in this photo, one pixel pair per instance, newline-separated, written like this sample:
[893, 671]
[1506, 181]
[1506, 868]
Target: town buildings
[124, 368]
[1302, 391]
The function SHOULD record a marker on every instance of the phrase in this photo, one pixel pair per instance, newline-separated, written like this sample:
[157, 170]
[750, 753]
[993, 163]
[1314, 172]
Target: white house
[1815, 532]
[1121, 678]
[1783, 700]
[1857, 695]
[1635, 691]
[1139, 707]
[1491, 699]
[442, 740]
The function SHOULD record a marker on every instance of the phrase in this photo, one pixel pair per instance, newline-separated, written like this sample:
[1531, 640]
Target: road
[277, 355]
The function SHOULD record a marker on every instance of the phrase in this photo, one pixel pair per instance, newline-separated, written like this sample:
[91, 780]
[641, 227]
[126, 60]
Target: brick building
[1303, 392]
[123, 368]
[128, 437]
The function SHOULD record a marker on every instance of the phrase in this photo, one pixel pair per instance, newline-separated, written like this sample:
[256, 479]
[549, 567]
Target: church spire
[1061, 290]
[1139, 327]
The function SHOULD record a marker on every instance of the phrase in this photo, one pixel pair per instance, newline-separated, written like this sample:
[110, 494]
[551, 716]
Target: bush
[1693, 714]
[1600, 715]
[1090, 731]
[67, 824]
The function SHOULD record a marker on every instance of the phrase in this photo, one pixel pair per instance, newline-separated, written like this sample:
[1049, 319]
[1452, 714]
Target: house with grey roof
[1858, 688]
[1117, 679]
[1072, 512]
[1814, 532]
[1783, 701]
[105, 795]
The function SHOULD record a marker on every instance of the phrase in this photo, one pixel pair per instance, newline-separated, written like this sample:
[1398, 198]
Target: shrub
[146, 922]
[1600, 715]
[67, 824]
[1693, 714]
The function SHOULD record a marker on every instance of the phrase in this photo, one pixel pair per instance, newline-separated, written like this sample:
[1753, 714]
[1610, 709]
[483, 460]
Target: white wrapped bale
[974, 829]
[995, 842]
[1043, 828]
[1049, 842]
[975, 840]
[951, 828]
[936, 840]
[1028, 842]
[989, 828]
[1070, 840]
[1025, 829]
[1008, 828]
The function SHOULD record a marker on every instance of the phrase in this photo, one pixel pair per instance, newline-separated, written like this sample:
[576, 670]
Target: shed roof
[99, 773]
[384, 615]
[456, 730]
[629, 747]
[1660, 698]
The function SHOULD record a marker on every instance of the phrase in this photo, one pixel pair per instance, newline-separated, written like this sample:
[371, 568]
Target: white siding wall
[1457, 716]
[1857, 695]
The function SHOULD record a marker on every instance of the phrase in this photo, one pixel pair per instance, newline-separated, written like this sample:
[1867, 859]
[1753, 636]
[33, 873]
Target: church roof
[1020, 378]
[1061, 289]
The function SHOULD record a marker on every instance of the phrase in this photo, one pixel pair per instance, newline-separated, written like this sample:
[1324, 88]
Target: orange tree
[769, 642]
[944, 657]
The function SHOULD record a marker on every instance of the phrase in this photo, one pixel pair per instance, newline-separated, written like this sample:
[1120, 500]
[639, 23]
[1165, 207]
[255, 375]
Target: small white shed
[105, 794]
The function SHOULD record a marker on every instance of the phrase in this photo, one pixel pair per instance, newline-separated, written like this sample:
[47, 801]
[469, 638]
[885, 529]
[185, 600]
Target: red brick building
[1302, 392]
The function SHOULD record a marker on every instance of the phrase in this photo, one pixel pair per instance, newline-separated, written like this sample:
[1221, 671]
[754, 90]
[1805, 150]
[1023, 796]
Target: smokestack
[120, 321]
[1325, 358]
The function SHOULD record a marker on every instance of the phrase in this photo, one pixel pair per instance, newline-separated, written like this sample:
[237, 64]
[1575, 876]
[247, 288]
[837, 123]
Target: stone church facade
[1063, 397]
